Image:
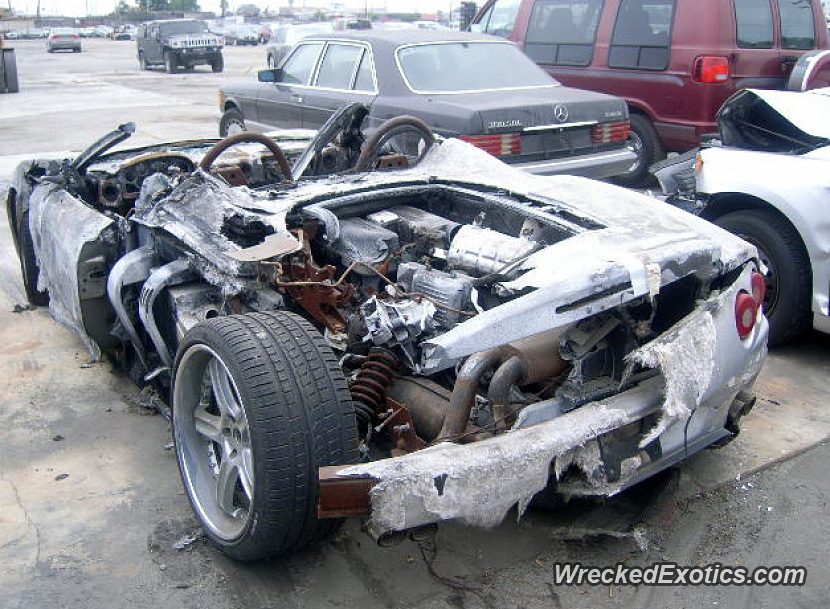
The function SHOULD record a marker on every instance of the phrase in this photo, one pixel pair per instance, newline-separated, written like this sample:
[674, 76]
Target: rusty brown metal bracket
[398, 421]
[321, 301]
[342, 496]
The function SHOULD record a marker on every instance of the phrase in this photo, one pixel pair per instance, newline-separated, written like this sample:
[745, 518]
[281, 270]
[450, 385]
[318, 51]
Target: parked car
[674, 61]
[123, 32]
[63, 39]
[178, 43]
[284, 37]
[479, 88]
[242, 34]
[767, 180]
[623, 334]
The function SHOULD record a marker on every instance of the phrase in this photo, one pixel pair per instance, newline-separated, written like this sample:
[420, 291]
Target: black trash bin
[8, 71]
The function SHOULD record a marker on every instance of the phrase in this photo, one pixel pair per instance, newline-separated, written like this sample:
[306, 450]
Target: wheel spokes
[207, 424]
[223, 390]
[226, 487]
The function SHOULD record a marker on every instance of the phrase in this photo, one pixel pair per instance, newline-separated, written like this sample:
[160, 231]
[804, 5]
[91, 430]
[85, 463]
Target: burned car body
[766, 178]
[436, 342]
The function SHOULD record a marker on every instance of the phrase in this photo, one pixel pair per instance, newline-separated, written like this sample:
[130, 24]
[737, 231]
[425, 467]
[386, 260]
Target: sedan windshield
[183, 27]
[453, 67]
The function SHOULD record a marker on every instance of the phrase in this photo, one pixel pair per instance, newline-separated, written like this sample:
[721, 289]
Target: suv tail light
[711, 69]
[502, 144]
[607, 133]
[747, 306]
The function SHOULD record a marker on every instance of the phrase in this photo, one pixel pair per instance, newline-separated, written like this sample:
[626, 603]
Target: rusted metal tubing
[464, 392]
[512, 372]
[427, 402]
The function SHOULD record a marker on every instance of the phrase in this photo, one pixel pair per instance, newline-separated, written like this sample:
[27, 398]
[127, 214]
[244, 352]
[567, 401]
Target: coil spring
[375, 376]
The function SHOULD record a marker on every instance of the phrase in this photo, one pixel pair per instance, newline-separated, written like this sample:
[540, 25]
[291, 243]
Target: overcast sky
[98, 7]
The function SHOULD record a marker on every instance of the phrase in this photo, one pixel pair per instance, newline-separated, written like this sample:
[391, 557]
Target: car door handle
[297, 98]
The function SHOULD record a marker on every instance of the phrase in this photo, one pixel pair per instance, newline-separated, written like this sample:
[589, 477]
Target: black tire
[169, 63]
[298, 416]
[142, 62]
[231, 120]
[218, 64]
[28, 263]
[645, 143]
[10, 71]
[789, 278]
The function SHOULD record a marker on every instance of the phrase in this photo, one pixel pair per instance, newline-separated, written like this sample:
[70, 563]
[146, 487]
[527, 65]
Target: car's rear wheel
[259, 403]
[788, 278]
[28, 263]
[231, 123]
[142, 62]
[644, 142]
[169, 63]
[218, 64]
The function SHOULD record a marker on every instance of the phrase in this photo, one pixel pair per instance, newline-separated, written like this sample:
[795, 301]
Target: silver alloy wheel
[635, 145]
[213, 442]
[234, 127]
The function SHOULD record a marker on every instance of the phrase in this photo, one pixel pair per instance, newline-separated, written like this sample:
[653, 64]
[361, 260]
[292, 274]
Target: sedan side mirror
[272, 75]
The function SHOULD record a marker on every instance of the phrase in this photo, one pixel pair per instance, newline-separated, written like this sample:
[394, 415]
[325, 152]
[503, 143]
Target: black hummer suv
[178, 42]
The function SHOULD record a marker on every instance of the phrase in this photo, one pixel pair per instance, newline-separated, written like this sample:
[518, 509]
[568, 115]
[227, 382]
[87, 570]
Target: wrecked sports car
[440, 340]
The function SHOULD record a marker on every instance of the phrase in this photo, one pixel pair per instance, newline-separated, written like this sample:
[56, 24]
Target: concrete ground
[92, 512]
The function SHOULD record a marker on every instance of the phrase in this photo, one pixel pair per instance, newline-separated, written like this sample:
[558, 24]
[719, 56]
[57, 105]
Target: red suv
[674, 61]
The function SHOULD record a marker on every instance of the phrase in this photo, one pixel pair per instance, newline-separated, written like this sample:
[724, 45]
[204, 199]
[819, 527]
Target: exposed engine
[383, 282]
[406, 274]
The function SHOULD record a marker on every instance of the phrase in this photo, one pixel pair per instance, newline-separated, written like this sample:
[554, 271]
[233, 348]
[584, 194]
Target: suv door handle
[788, 59]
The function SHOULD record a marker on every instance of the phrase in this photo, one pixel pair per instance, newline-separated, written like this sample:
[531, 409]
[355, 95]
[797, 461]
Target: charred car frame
[441, 340]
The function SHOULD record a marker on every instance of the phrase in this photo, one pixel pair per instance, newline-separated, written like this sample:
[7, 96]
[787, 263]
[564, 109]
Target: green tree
[185, 6]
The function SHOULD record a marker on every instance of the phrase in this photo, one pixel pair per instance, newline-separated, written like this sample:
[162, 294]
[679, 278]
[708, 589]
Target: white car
[768, 181]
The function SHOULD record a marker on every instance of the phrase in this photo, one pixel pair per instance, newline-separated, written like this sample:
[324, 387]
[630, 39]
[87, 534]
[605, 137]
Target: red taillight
[607, 133]
[711, 69]
[502, 144]
[746, 311]
[747, 306]
[759, 288]
[76, 37]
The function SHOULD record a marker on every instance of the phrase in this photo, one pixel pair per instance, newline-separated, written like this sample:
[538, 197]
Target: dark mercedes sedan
[478, 88]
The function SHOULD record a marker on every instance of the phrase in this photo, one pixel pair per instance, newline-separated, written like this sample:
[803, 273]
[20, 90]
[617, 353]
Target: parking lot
[92, 512]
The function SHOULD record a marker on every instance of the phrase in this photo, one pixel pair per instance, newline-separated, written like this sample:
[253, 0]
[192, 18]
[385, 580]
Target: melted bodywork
[502, 333]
